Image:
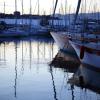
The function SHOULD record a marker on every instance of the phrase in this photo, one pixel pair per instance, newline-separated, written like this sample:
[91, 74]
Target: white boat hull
[92, 59]
[62, 41]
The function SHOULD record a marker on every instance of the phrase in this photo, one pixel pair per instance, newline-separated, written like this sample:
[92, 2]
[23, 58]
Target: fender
[82, 50]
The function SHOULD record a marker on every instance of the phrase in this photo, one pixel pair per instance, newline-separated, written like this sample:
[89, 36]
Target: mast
[15, 11]
[30, 14]
[15, 5]
[38, 7]
[4, 10]
[30, 7]
[4, 7]
[55, 6]
[77, 10]
[85, 6]
[69, 15]
[65, 13]
[22, 12]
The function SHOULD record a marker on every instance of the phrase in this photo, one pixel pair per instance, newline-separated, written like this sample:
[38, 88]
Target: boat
[62, 40]
[39, 31]
[88, 53]
[87, 46]
[13, 32]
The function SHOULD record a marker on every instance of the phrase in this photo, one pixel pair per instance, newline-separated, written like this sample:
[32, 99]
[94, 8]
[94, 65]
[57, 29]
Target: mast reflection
[87, 77]
[53, 83]
[15, 85]
[22, 69]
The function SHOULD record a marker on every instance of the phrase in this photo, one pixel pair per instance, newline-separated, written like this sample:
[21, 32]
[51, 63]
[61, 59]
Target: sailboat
[88, 51]
[62, 37]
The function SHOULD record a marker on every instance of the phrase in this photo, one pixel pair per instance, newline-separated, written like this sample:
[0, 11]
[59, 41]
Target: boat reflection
[66, 61]
[86, 77]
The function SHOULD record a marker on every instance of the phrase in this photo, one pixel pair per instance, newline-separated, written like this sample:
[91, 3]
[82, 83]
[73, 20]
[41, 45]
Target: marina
[50, 50]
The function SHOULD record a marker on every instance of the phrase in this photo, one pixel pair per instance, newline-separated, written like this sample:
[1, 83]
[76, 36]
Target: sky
[46, 6]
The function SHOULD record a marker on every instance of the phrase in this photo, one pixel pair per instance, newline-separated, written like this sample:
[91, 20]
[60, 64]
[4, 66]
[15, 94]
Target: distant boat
[39, 31]
[13, 32]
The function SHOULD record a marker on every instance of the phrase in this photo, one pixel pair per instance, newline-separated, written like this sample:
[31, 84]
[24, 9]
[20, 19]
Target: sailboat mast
[54, 10]
[30, 14]
[85, 6]
[65, 13]
[77, 11]
[15, 5]
[38, 7]
[15, 11]
[4, 10]
[4, 7]
[22, 12]
[30, 7]
[22, 8]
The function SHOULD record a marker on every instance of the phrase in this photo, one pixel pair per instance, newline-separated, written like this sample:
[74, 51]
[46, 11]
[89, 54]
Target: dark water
[25, 73]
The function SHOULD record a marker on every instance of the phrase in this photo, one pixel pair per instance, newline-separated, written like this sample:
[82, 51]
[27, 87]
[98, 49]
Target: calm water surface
[25, 73]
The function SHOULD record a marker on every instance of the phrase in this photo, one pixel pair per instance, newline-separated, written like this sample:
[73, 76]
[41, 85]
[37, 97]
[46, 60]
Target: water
[25, 73]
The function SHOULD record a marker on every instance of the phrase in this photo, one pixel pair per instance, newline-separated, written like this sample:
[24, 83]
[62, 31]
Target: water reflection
[23, 54]
[66, 61]
[15, 85]
[87, 77]
[32, 68]
[53, 84]
[2, 53]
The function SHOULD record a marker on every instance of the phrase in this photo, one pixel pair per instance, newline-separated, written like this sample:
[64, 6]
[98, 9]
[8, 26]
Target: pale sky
[47, 6]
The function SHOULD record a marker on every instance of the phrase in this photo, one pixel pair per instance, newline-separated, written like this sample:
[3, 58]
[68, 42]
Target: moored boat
[13, 32]
[62, 40]
[88, 53]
